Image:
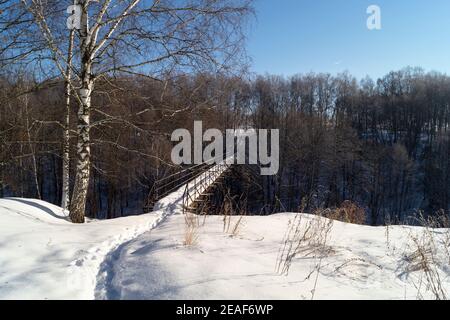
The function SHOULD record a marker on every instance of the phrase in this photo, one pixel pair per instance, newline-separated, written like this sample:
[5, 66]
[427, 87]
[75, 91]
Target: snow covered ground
[360, 263]
[43, 256]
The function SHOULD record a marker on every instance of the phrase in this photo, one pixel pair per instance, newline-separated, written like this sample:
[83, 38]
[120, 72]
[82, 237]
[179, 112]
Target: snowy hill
[43, 256]
[357, 262]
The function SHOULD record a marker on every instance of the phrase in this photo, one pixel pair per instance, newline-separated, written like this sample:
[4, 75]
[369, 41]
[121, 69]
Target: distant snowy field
[43, 256]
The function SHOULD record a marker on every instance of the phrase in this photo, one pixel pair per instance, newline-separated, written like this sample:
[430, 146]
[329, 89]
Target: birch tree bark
[79, 196]
[65, 199]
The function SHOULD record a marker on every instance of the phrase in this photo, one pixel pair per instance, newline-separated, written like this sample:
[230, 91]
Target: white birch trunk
[65, 199]
[79, 196]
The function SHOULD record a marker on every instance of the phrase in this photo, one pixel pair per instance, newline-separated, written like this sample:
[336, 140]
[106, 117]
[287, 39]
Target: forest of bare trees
[90, 113]
[383, 145]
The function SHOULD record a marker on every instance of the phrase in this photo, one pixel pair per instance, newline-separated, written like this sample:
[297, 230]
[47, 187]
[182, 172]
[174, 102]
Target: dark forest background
[381, 144]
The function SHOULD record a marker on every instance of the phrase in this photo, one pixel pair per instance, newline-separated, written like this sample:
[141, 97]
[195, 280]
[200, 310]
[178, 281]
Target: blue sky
[298, 36]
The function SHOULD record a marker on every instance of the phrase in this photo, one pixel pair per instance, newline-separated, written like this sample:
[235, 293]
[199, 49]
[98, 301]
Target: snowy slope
[44, 256]
[363, 263]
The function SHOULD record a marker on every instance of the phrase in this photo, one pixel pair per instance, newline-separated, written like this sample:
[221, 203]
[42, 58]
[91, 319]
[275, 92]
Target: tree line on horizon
[86, 114]
[383, 144]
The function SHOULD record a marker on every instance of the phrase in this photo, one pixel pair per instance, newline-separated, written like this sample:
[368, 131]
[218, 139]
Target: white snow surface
[44, 256]
[363, 263]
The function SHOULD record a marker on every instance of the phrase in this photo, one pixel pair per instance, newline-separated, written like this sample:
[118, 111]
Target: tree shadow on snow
[38, 206]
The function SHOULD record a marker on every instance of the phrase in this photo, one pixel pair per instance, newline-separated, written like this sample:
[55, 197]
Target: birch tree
[31, 44]
[148, 38]
[65, 197]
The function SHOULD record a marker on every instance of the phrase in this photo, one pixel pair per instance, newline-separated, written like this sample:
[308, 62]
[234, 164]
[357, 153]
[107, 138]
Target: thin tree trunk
[32, 149]
[66, 137]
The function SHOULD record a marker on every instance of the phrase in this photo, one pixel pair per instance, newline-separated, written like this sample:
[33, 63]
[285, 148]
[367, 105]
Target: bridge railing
[165, 186]
[199, 185]
[189, 177]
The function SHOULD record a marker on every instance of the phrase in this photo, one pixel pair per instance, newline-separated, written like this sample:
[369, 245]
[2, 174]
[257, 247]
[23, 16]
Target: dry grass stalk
[237, 226]
[228, 214]
[423, 258]
[191, 229]
[307, 239]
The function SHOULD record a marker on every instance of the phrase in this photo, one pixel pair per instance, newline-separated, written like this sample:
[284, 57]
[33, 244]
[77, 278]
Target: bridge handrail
[191, 193]
[171, 183]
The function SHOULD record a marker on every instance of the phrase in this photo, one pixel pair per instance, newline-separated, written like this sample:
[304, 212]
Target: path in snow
[44, 256]
[170, 205]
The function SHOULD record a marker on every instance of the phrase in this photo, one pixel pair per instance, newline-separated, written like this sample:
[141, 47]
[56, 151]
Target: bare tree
[153, 39]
